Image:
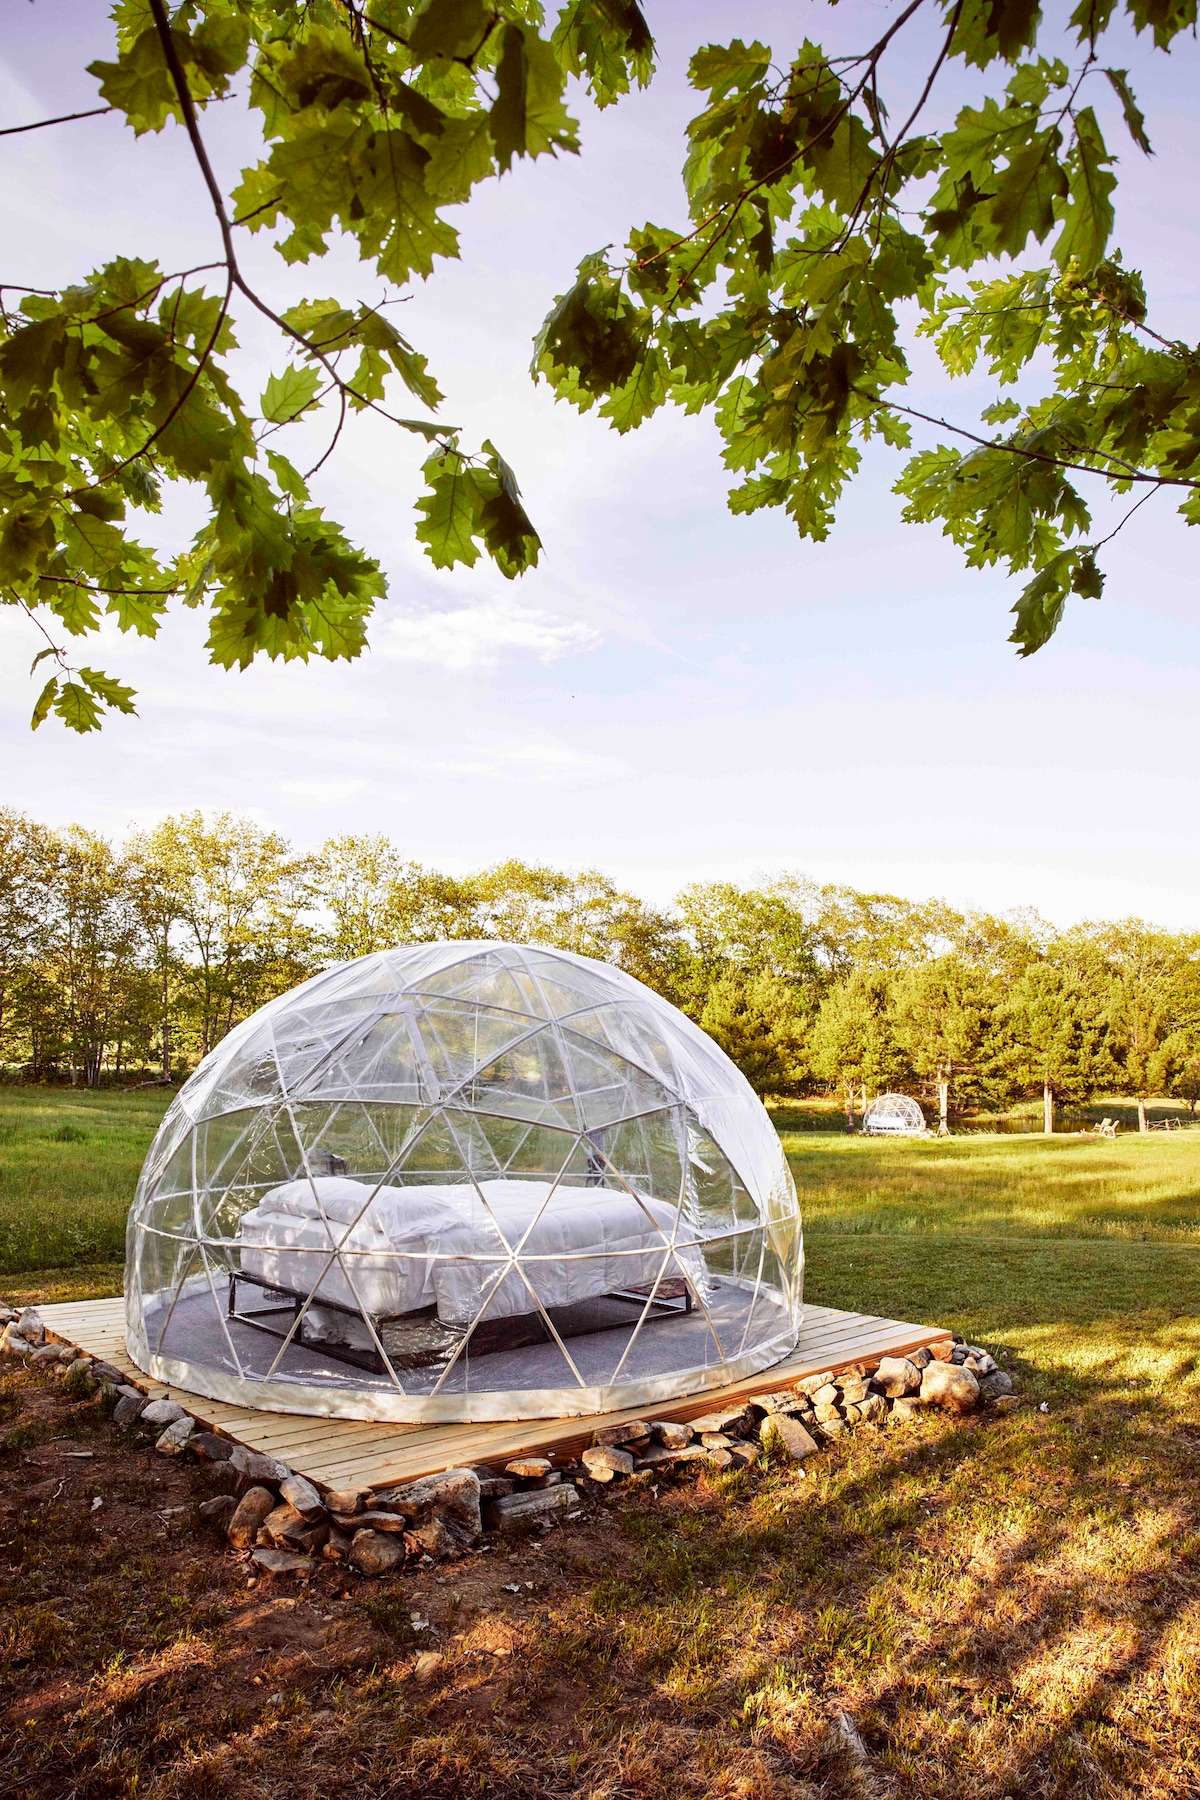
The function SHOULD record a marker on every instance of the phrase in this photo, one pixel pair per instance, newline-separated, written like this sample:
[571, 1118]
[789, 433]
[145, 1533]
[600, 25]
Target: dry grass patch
[1002, 1606]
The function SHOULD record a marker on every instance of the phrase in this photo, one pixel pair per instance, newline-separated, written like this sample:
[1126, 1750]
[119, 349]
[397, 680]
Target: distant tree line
[131, 961]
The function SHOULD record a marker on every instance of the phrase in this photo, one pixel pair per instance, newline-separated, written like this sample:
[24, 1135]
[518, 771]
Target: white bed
[406, 1249]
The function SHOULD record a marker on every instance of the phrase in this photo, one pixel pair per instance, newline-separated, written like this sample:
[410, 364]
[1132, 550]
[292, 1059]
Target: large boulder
[452, 1497]
[897, 1376]
[376, 1552]
[603, 1461]
[949, 1386]
[248, 1516]
[783, 1433]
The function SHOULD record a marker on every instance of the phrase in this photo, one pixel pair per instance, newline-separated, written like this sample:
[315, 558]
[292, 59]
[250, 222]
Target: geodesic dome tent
[894, 1115]
[463, 1181]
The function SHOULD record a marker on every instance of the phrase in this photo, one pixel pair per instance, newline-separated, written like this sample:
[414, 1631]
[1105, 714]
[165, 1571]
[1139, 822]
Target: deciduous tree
[827, 210]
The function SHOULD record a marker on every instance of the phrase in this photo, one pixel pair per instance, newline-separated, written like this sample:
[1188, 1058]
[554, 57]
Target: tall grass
[69, 1163]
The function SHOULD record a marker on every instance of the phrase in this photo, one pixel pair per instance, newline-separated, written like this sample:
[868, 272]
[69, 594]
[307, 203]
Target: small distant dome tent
[463, 1181]
[894, 1115]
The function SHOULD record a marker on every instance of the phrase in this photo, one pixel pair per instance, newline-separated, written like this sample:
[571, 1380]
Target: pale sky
[675, 694]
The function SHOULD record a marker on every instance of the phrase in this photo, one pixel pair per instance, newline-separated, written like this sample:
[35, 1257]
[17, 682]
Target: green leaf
[45, 701]
[1026, 192]
[1134, 118]
[290, 481]
[1039, 609]
[506, 121]
[723, 69]
[449, 28]
[78, 709]
[449, 512]
[113, 693]
[288, 395]
[1088, 220]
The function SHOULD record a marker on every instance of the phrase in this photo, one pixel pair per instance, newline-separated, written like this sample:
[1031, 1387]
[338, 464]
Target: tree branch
[96, 112]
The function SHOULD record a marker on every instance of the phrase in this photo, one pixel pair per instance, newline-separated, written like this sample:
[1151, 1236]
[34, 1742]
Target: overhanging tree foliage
[816, 224]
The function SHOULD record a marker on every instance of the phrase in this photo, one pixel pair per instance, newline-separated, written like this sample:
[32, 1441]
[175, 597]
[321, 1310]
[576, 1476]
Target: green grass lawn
[1003, 1606]
[69, 1162]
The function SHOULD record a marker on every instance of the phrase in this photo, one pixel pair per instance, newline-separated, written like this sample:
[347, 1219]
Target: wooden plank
[367, 1453]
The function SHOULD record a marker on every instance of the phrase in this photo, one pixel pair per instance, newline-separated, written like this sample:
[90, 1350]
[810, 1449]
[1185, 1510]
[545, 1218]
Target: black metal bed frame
[673, 1299]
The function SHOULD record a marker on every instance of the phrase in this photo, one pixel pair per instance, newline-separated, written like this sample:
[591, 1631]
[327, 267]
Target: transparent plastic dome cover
[463, 1181]
[894, 1115]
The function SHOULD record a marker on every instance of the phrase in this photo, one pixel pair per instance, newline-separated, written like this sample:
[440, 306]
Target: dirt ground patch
[972, 1609]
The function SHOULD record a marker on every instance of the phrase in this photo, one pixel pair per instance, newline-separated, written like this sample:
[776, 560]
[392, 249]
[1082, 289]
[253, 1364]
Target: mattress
[402, 1249]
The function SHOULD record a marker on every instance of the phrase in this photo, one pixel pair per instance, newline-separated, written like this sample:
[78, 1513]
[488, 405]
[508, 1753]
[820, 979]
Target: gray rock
[721, 1459]
[161, 1412]
[209, 1447]
[921, 1358]
[942, 1350]
[854, 1392]
[733, 1421]
[959, 1355]
[494, 1487]
[612, 1436]
[288, 1529]
[303, 1496]
[427, 1666]
[744, 1452]
[832, 1428]
[949, 1386]
[8, 1316]
[282, 1562]
[30, 1326]
[552, 1477]
[173, 1441]
[787, 1435]
[373, 1519]
[43, 1355]
[79, 1376]
[603, 1461]
[528, 1468]
[672, 1434]
[436, 1538]
[336, 1547]
[106, 1372]
[851, 1413]
[127, 1412]
[897, 1376]
[812, 1383]
[874, 1409]
[652, 1455]
[13, 1344]
[536, 1503]
[127, 1391]
[995, 1385]
[904, 1409]
[828, 1395]
[827, 1413]
[376, 1552]
[347, 1500]
[715, 1440]
[279, 1523]
[219, 1510]
[255, 1468]
[248, 1515]
[453, 1497]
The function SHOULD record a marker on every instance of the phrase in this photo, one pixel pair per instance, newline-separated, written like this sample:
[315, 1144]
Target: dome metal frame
[894, 1115]
[469, 1180]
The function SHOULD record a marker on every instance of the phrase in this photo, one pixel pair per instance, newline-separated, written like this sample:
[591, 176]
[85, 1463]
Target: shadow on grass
[1003, 1606]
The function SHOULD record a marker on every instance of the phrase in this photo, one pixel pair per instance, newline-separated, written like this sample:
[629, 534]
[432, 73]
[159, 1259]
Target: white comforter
[422, 1246]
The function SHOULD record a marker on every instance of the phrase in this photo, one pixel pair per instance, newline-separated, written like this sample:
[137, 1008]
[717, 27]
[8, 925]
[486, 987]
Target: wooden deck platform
[349, 1453]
